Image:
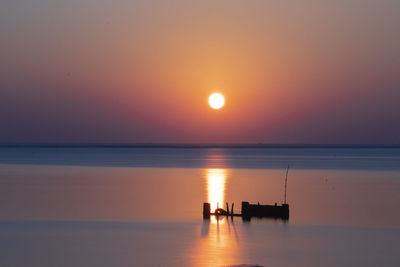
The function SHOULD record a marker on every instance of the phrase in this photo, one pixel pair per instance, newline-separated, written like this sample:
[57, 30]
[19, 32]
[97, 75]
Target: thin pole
[287, 171]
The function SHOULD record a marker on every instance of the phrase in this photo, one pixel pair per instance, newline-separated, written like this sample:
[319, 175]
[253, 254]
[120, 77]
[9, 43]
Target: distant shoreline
[191, 146]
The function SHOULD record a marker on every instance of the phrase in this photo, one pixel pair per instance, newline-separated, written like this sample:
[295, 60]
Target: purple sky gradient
[141, 71]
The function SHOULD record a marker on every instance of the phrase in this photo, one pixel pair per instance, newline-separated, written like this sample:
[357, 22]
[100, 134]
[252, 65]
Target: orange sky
[141, 71]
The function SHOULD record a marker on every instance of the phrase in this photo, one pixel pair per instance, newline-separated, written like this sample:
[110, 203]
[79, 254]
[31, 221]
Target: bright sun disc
[216, 101]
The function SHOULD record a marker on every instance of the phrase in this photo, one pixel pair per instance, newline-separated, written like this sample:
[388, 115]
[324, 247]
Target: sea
[142, 205]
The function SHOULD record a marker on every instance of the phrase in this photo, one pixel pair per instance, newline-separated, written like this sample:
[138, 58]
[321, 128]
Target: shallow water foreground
[51, 243]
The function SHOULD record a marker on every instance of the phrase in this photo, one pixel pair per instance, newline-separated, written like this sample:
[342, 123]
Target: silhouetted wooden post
[287, 171]
[232, 209]
[246, 212]
[227, 208]
[206, 210]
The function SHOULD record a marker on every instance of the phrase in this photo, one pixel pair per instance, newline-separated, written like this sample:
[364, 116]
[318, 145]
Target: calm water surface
[99, 207]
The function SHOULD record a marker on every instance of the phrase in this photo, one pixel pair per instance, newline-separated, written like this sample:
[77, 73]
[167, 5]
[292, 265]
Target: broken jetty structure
[251, 210]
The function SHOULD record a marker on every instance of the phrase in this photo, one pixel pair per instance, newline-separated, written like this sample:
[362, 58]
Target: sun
[216, 101]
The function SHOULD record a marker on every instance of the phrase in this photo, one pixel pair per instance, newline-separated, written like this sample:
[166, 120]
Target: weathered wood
[249, 211]
[206, 210]
[264, 211]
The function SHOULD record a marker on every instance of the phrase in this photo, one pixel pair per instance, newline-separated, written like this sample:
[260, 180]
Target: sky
[125, 71]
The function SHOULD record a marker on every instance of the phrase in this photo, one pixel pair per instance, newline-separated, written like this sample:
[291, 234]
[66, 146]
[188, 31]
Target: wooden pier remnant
[264, 211]
[206, 210]
[252, 210]
[249, 211]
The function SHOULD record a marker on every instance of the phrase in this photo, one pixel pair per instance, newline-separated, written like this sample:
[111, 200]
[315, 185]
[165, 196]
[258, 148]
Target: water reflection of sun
[216, 180]
[218, 245]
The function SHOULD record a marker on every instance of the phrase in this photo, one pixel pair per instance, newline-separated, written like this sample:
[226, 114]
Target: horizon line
[188, 145]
